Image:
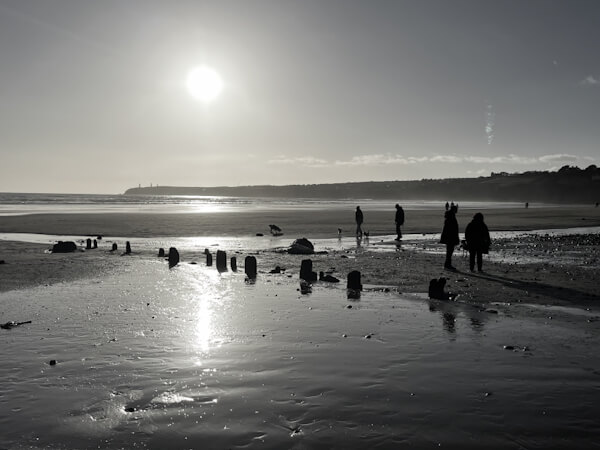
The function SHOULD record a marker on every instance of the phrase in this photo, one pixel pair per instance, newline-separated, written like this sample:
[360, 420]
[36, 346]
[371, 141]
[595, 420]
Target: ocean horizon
[48, 203]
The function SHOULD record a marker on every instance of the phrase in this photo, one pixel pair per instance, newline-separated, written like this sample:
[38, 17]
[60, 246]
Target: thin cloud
[380, 159]
[307, 161]
[590, 80]
[558, 158]
[452, 159]
[510, 159]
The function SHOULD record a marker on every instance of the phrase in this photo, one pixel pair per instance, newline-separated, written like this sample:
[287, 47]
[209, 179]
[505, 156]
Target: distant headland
[567, 185]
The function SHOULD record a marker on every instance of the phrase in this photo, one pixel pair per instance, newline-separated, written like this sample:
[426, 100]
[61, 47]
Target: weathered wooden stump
[173, 257]
[306, 272]
[354, 281]
[250, 267]
[221, 261]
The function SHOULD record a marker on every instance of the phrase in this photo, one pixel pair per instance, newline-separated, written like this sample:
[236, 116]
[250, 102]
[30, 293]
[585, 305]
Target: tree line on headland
[569, 184]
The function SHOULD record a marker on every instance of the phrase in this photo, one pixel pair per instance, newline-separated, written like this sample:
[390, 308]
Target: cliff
[567, 185]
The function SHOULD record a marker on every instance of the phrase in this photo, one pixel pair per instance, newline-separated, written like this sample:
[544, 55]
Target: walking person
[359, 220]
[399, 221]
[478, 240]
[450, 236]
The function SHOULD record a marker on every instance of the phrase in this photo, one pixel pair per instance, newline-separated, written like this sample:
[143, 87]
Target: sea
[28, 203]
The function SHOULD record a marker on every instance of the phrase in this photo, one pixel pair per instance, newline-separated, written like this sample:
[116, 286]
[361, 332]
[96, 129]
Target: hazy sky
[93, 96]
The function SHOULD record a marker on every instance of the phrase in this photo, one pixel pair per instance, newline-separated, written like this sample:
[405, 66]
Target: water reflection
[449, 314]
[209, 292]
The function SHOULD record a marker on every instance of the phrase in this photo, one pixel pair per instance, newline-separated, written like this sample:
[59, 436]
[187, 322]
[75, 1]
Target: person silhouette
[478, 240]
[399, 221]
[447, 206]
[359, 220]
[450, 236]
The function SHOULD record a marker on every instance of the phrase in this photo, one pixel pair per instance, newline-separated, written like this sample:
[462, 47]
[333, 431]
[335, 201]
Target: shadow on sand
[563, 294]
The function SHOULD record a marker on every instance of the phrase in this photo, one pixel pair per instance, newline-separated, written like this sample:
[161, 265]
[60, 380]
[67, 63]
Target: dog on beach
[464, 247]
[275, 230]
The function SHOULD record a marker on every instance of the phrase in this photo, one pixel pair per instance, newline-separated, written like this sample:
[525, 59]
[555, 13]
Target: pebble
[52, 362]
[509, 347]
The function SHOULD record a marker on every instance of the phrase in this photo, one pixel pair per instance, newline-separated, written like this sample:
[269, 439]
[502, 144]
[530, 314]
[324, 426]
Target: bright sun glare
[204, 83]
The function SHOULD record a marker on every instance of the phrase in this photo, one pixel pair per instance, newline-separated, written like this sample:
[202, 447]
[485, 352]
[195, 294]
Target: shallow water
[27, 203]
[190, 358]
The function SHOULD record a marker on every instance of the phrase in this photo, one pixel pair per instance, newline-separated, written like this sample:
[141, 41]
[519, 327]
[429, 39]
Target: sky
[93, 95]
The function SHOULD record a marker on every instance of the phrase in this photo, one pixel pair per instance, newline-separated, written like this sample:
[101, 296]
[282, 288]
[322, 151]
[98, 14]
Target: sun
[204, 83]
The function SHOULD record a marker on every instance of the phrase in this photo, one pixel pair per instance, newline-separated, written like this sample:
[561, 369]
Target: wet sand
[295, 223]
[189, 358]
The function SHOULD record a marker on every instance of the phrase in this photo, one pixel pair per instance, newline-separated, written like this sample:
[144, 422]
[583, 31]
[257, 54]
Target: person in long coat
[359, 220]
[399, 221]
[478, 240]
[450, 236]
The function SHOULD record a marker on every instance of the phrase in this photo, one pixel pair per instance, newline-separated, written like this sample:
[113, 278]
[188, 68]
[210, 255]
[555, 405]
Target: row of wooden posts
[250, 265]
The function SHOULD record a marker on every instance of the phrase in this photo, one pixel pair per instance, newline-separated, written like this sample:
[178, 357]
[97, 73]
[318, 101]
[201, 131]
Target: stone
[173, 257]
[354, 281]
[161, 252]
[277, 269]
[234, 263]
[306, 272]
[250, 267]
[52, 362]
[328, 278]
[64, 247]
[302, 246]
[221, 261]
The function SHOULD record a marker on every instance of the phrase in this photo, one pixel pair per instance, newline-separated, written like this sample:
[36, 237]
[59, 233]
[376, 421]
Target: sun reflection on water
[209, 293]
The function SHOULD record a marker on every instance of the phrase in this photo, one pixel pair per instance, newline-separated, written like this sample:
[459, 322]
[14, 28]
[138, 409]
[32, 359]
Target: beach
[190, 357]
[315, 222]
